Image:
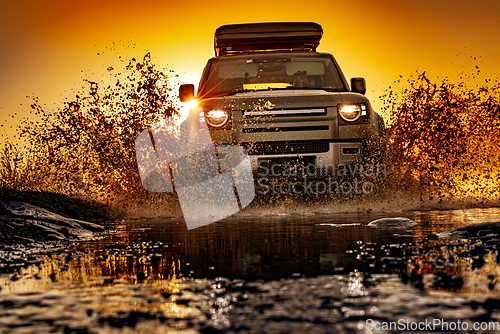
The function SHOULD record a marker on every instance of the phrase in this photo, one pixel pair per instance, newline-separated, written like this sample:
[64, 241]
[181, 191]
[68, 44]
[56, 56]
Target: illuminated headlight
[217, 118]
[351, 112]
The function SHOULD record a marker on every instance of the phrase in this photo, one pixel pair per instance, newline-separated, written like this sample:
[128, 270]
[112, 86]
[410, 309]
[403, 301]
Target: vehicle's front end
[255, 100]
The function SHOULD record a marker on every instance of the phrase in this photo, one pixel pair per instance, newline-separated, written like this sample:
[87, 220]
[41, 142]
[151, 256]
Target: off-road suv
[268, 90]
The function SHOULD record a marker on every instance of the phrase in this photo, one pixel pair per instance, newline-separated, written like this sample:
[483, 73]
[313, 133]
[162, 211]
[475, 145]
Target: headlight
[217, 118]
[351, 112]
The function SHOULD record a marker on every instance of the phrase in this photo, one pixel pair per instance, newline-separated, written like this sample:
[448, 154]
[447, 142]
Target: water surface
[260, 274]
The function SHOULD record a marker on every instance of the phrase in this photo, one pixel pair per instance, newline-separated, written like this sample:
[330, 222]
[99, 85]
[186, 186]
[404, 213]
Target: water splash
[87, 146]
[444, 140]
[444, 137]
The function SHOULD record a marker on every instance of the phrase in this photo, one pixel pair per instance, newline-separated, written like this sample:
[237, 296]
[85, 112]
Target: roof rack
[273, 36]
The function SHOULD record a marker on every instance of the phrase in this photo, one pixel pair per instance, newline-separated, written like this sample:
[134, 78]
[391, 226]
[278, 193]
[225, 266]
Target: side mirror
[186, 92]
[358, 85]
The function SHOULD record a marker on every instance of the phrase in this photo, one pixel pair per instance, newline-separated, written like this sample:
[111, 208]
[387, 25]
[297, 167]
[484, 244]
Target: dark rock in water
[474, 230]
[492, 242]
[29, 211]
[415, 279]
[212, 330]
[432, 237]
[16, 277]
[396, 223]
[486, 233]
[474, 305]
[182, 301]
[3, 210]
[59, 204]
[491, 304]
[391, 263]
[478, 263]
[447, 281]
[28, 231]
[486, 317]
[45, 232]
[27, 223]
[478, 250]
[7, 303]
[396, 252]
[141, 276]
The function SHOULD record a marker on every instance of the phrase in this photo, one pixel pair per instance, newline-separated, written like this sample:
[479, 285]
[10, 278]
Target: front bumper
[325, 163]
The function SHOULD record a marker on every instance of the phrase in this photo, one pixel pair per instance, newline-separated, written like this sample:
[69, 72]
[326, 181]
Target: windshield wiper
[326, 89]
[227, 93]
[308, 88]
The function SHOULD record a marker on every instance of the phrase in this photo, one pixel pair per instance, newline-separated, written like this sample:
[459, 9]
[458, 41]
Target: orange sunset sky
[49, 47]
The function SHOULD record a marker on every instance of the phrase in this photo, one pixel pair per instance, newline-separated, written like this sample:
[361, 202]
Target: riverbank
[34, 224]
[28, 217]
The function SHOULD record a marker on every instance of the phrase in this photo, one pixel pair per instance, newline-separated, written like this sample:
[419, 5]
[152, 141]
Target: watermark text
[431, 325]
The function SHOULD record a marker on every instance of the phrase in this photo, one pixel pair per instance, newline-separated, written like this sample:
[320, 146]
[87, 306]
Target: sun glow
[186, 107]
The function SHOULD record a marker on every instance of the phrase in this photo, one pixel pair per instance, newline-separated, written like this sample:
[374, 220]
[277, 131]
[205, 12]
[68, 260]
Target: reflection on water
[200, 277]
[246, 248]
[272, 248]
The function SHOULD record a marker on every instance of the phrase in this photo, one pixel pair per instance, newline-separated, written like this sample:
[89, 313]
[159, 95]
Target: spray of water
[86, 148]
[443, 138]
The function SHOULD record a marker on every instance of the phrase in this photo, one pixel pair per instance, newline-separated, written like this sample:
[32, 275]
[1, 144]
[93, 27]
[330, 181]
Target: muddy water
[280, 273]
[268, 274]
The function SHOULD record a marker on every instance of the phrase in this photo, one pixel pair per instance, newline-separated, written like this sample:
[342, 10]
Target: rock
[432, 237]
[28, 229]
[396, 223]
[60, 204]
[28, 222]
[447, 281]
[415, 279]
[491, 304]
[472, 230]
[45, 232]
[26, 210]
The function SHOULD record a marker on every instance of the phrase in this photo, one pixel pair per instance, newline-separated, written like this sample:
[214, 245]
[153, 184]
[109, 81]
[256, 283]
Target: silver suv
[267, 89]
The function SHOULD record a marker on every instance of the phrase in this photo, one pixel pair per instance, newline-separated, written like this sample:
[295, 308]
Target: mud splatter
[86, 147]
[443, 138]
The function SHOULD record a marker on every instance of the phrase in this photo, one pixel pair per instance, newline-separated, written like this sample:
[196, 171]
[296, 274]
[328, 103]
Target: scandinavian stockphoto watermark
[430, 325]
[211, 182]
[299, 178]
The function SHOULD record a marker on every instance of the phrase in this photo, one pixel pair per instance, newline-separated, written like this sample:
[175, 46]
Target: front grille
[287, 147]
[287, 129]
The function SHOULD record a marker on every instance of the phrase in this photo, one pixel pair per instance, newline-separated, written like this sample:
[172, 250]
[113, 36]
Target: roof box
[254, 37]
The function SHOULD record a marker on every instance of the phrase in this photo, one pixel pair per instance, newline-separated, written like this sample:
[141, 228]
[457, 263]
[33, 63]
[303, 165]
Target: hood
[277, 99]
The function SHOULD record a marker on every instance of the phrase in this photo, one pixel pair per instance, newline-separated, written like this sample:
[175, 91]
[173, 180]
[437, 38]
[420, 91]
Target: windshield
[228, 75]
